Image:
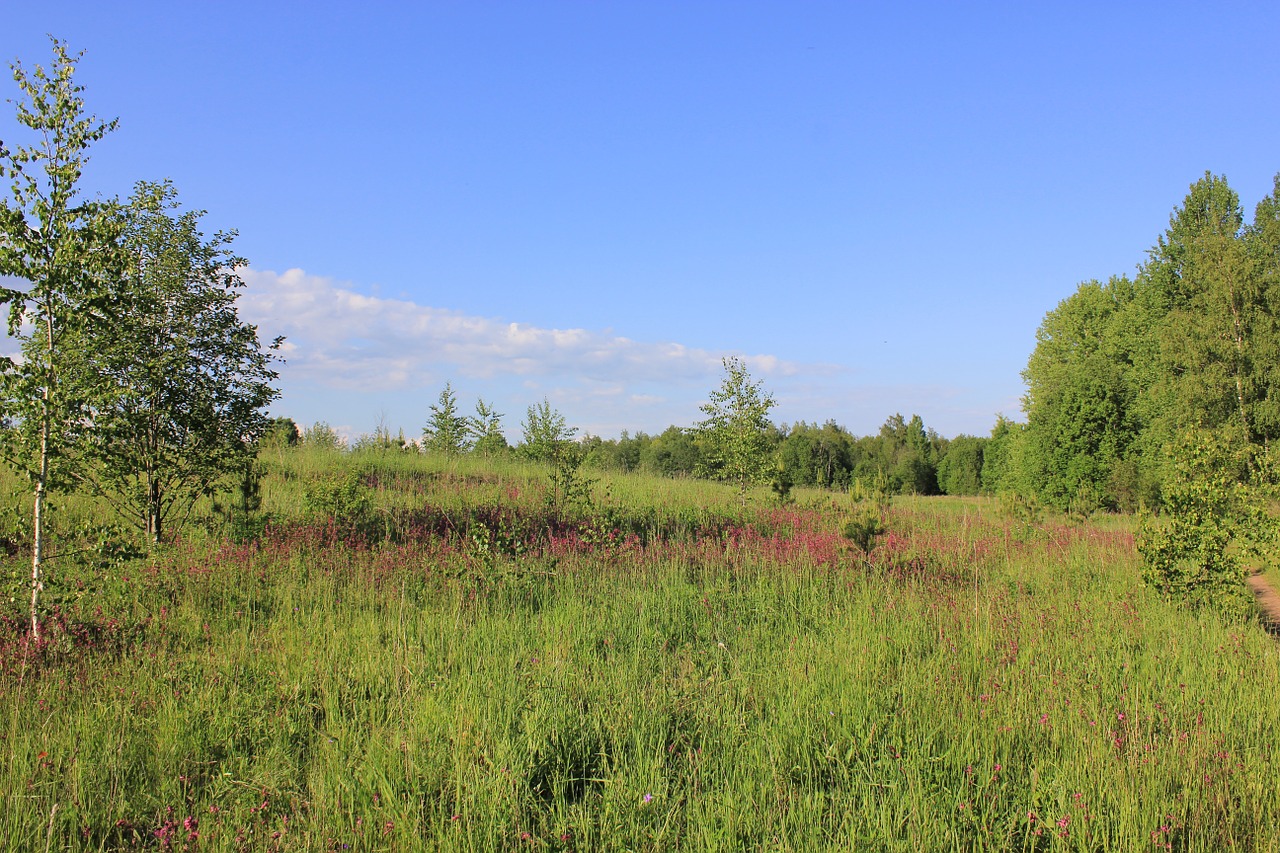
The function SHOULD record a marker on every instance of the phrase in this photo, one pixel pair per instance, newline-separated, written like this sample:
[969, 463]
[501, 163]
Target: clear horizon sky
[875, 205]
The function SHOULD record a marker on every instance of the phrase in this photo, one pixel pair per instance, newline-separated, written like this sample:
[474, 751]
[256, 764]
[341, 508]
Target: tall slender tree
[64, 248]
[484, 430]
[446, 430]
[735, 432]
[545, 433]
[1262, 242]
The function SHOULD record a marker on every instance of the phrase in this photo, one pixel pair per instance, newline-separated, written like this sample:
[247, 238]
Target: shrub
[1214, 517]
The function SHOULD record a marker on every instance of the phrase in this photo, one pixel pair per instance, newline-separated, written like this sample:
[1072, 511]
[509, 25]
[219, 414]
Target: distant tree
[832, 456]
[735, 433]
[1003, 467]
[1216, 314]
[630, 449]
[1122, 370]
[281, 432]
[179, 387]
[1262, 242]
[795, 457]
[816, 456]
[1080, 401]
[382, 441]
[64, 249]
[545, 433]
[592, 448]
[321, 436]
[485, 430]
[960, 471]
[622, 454]
[907, 455]
[673, 453]
[446, 431]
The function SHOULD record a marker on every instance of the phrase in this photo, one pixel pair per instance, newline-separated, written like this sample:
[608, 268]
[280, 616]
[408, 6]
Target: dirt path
[1268, 600]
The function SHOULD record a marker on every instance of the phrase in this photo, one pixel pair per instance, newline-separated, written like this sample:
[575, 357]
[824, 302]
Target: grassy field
[403, 654]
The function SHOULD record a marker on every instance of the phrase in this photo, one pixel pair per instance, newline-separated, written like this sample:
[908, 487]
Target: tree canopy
[177, 383]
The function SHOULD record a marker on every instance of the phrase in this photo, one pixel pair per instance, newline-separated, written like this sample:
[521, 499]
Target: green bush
[1214, 517]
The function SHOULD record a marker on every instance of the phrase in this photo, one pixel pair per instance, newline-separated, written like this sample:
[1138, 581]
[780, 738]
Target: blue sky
[596, 202]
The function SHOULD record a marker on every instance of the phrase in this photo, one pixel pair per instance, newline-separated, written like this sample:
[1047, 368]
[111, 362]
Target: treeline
[1122, 374]
[903, 457]
[1124, 370]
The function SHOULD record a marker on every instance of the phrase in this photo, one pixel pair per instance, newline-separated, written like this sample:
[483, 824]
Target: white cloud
[355, 358]
[347, 340]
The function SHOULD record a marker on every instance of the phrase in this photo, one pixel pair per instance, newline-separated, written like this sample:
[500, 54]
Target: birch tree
[61, 248]
[735, 433]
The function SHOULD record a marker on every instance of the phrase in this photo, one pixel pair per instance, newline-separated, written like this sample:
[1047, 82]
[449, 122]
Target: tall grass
[717, 679]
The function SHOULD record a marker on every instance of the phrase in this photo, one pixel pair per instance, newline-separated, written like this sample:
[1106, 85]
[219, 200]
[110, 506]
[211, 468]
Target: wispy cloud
[346, 340]
[353, 358]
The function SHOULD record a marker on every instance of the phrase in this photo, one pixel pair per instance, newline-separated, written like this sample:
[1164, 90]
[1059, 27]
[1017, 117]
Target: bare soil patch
[1268, 601]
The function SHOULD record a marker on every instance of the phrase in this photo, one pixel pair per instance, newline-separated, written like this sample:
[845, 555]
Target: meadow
[405, 653]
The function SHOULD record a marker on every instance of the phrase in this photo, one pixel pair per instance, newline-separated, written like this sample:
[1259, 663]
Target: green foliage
[1215, 516]
[549, 440]
[447, 431]
[871, 504]
[622, 455]
[341, 497]
[321, 436]
[178, 392]
[734, 436]
[546, 435]
[65, 251]
[817, 456]
[1021, 508]
[908, 454]
[872, 492]
[485, 430]
[1003, 459]
[1080, 394]
[492, 444]
[240, 501]
[280, 432]
[863, 528]
[490, 547]
[1193, 342]
[781, 485]
[674, 452]
[381, 441]
[960, 469]
[1134, 483]
[569, 490]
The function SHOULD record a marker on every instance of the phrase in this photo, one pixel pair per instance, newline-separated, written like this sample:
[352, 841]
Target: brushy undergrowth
[442, 659]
